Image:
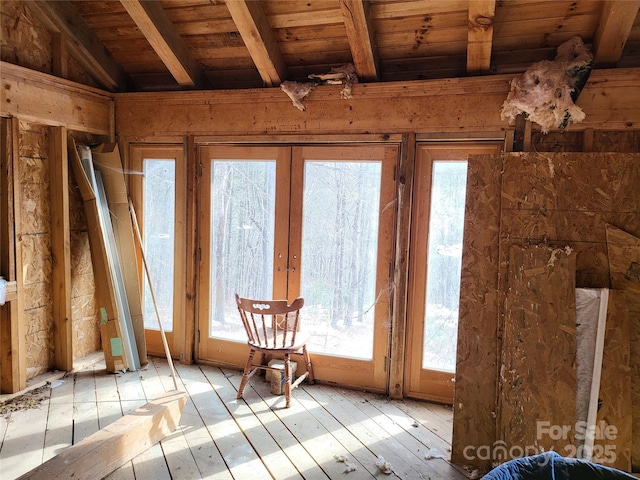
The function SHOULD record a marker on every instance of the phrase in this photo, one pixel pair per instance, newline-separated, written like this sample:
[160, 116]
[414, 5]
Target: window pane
[444, 260]
[242, 239]
[159, 236]
[339, 251]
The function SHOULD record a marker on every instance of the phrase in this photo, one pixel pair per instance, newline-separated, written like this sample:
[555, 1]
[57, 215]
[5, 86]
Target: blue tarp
[551, 466]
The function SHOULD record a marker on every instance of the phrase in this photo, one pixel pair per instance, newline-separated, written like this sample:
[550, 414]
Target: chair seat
[272, 327]
[301, 340]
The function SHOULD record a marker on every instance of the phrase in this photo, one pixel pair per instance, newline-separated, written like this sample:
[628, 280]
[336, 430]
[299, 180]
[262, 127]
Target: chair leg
[245, 374]
[307, 361]
[287, 379]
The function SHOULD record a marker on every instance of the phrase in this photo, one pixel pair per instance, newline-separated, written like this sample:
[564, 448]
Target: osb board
[538, 374]
[86, 326]
[592, 266]
[566, 225]
[36, 295]
[36, 258]
[598, 182]
[612, 445]
[24, 39]
[39, 343]
[476, 369]
[624, 259]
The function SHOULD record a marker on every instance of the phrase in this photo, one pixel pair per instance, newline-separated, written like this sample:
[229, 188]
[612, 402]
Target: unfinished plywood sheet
[474, 420]
[612, 445]
[538, 376]
[624, 261]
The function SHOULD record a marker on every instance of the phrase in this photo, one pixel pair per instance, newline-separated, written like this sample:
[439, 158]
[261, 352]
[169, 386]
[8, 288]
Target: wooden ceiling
[141, 45]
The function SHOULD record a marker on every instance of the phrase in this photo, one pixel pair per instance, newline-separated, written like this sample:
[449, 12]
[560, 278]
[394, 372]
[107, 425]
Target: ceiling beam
[362, 39]
[62, 18]
[254, 28]
[480, 35]
[615, 25]
[160, 32]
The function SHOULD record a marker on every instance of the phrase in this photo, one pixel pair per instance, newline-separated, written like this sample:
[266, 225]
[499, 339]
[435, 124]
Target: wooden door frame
[176, 338]
[415, 378]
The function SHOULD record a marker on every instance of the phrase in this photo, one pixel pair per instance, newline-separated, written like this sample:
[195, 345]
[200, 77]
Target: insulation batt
[547, 90]
[297, 91]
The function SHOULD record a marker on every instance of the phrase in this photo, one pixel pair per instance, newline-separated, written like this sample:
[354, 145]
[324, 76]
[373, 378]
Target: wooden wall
[548, 199]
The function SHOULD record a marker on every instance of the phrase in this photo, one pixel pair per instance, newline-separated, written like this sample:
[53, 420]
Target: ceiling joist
[480, 35]
[61, 17]
[254, 28]
[361, 34]
[613, 30]
[160, 32]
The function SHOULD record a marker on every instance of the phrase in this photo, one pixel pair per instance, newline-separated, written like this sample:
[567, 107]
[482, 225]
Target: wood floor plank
[59, 427]
[207, 458]
[125, 472]
[265, 445]
[366, 428]
[412, 451]
[85, 407]
[130, 391]
[302, 460]
[151, 464]
[107, 398]
[222, 438]
[24, 440]
[311, 434]
[236, 450]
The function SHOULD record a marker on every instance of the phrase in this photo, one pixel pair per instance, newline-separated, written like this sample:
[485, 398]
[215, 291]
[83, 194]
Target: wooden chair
[272, 327]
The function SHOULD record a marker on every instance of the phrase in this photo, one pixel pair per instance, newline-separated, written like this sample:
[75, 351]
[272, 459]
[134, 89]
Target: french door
[435, 266]
[310, 221]
[158, 193]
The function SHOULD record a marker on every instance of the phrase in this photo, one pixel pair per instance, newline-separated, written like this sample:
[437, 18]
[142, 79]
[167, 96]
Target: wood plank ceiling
[145, 45]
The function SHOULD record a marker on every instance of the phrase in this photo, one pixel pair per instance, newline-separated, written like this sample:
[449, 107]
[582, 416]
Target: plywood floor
[220, 437]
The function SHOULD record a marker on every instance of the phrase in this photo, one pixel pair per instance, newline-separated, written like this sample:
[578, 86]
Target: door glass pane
[159, 237]
[339, 252]
[242, 239]
[444, 257]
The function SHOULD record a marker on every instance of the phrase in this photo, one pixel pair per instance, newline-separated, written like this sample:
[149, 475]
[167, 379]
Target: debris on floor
[27, 401]
[383, 465]
[433, 453]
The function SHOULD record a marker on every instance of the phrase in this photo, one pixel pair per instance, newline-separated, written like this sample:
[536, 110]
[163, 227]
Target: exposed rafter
[259, 39]
[480, 35]
[359, 25]
[61, 17]
[616, 21]
[157, 28]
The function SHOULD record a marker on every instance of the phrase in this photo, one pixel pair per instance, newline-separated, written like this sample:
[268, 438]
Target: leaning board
[537, 396]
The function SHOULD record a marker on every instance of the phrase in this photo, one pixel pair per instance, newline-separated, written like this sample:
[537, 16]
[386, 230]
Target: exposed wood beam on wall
[40, 98]
[85, 46]
[613, 30]
[480, 35]
[60, 249]
[13, 371]
[472, 104]
[160, 32]
[362, 39]
[259, 39]
[59, 56]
